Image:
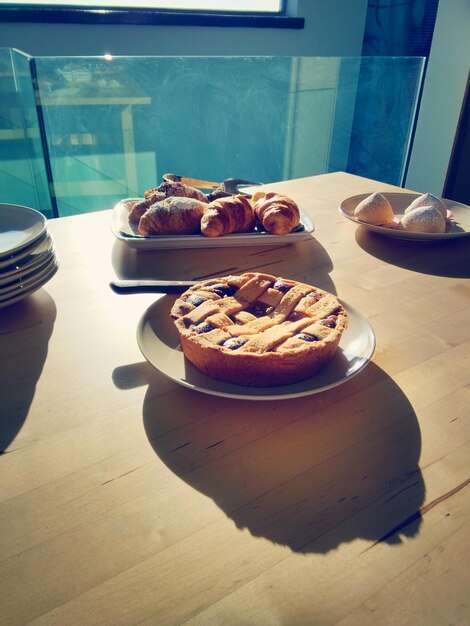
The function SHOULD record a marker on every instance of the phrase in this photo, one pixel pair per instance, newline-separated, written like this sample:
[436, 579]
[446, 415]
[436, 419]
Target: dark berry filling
[307, 337]
[295, 316]
[235, 321]
[329, 321]
[203, 327]
[222, 290]
[258, 308]
[281, 286]
[234, 342]
[195, 300]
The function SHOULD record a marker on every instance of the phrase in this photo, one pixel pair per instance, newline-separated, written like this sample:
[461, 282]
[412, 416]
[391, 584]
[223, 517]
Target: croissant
[140, 207]
[172, 216]
[170, 189]
[233, 214]
[278, 214]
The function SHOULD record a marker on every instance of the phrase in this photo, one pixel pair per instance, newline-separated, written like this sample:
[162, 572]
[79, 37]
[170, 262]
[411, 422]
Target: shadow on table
[33, 318]
[312, 262]
[449, 258]
[309, 473]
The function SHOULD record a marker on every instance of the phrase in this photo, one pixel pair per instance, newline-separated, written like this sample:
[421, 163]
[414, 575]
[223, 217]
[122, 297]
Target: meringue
[375, 209]
[424, 219]
[428, 199]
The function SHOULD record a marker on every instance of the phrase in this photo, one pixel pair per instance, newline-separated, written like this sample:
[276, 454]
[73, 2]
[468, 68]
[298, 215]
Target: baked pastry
[172, 216]
[170, 189]
[428, 199]
[140, 207]
[424, 219]
[166, 190]
[375, 209]
[233, 214]
[278, 214]
[258, 330]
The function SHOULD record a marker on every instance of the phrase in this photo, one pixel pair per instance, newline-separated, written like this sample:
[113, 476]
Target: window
[244, 6]
[239, 13]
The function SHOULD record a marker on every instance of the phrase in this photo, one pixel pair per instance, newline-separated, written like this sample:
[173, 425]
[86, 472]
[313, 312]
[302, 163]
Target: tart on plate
[258, 330]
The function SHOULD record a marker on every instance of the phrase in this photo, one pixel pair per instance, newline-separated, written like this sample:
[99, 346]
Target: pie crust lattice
[257, 329]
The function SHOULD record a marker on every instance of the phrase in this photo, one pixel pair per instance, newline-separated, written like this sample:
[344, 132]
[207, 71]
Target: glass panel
[114, 126]
[247, 6]
[386, 102]
[23, 177]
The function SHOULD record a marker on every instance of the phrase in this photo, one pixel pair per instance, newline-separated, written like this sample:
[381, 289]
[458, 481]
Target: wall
[333, 28]
[442, 98]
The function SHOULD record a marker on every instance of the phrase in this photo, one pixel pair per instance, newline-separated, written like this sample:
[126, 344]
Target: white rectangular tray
[124, 231]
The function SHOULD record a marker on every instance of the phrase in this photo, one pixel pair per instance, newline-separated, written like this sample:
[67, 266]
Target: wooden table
[128, 499]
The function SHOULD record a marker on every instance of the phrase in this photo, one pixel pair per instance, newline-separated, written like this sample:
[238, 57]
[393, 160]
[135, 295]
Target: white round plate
[40, 253]
[23, 271]
[9, 262]
[459, 226]
[158, 340]
[19, 227]
[15, 287]
[27, 291]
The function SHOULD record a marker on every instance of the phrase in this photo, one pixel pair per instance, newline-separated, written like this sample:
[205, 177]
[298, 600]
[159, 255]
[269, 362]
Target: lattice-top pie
[258, 330]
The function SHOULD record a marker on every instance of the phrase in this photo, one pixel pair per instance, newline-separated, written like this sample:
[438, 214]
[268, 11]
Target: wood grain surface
[128, 499]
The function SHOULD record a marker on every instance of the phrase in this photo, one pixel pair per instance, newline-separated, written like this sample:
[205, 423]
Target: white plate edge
[29, 279]
[30, 289]
[280, 396]
[33, 265]
[42, 220]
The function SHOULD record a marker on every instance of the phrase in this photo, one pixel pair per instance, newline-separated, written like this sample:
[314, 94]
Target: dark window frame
[12, 12]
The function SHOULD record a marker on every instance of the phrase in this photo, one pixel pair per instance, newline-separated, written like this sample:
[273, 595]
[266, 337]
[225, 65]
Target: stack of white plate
[27, 256]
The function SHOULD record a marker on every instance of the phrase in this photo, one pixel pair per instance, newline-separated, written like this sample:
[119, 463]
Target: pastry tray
[125, 232]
